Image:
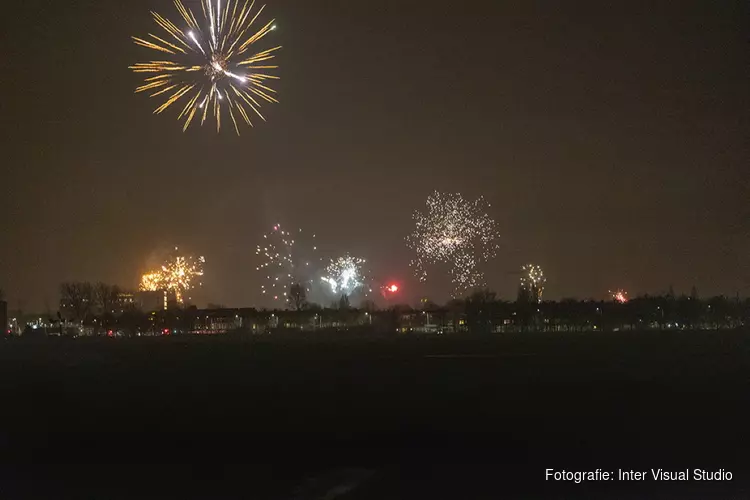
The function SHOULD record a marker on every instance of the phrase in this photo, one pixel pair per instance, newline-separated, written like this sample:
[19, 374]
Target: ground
[440, 417]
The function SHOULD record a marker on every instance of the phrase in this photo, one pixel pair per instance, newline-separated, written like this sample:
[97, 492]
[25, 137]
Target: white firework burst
[346, 275]
[456, 232]
[289, 257]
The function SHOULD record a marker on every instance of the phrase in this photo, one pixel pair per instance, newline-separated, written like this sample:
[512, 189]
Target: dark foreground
[431, 417]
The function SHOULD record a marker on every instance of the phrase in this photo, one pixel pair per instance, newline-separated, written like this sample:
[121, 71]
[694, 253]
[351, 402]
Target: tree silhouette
[566, 312]
[106, 298]
[480, 308]
[428, 305]
[297, 297]
[524, 295]
[344, 302]
[77, 300]
[368, 306]
[456, 310]
[718, 312]
[525, 303]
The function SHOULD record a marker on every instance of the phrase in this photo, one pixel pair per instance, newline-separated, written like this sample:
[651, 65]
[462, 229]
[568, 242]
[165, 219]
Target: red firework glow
[620, 296]
[389, 290]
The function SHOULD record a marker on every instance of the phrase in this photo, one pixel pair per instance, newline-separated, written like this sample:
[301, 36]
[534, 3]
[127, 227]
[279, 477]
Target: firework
[288, 259]
[152, 282]
[620, 296]
[209, 63]
[532, 281]
[178, 275]
[390, 290]
[346, 275]
[456, 232]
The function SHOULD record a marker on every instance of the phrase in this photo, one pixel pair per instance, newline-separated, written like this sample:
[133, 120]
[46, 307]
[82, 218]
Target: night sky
[610, 137]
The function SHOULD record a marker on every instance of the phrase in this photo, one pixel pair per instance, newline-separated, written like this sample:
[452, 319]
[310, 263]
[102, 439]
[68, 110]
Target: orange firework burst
[177, 275]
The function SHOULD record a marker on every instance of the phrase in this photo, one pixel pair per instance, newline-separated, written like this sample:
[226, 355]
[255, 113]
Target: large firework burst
[346, 275]
[457, 232]
[532, 282]
[178, 275]
[289, 257]
[210, 64]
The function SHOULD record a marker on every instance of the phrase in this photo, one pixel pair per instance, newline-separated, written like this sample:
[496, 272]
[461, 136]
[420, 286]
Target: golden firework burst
[178, 274]
[212, 65]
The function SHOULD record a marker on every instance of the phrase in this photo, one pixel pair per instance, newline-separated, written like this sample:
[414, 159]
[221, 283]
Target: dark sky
[610, 137]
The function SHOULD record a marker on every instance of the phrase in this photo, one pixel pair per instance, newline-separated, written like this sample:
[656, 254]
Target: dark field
[440, 417]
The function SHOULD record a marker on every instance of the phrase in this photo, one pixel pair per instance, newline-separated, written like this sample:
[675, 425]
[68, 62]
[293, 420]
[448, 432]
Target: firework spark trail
[346, 275]
[177, 274]
[456, 232]
[288, 258]
[532, 281]
[203, 77]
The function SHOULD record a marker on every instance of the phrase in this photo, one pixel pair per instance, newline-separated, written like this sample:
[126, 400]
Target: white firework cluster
[288, 259]
[456, 232]
[532, 281]
[346, 275]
